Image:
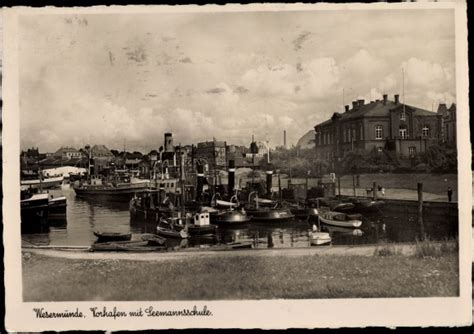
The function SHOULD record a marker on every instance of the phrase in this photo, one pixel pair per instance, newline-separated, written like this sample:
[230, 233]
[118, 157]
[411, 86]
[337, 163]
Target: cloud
[425, 74]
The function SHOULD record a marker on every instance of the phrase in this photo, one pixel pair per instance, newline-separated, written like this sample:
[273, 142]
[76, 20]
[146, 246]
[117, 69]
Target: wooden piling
[374, 191]
[339, 185]
[353, 185]
[420, 210]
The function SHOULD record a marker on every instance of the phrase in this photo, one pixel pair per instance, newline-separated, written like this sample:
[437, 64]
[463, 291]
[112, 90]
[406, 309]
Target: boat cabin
[201, 219]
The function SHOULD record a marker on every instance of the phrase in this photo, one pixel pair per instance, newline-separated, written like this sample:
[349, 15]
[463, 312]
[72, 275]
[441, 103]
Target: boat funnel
[231, 177]
[269, 180]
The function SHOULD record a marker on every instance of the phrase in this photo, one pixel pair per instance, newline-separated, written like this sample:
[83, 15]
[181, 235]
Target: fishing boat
[116, 191]
[339, 219]
[42, 183]
[112, 236]
[169, 229]
[230, 217]
[201, 225]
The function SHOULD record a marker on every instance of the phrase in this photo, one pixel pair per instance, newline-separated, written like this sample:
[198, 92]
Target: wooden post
[374, 191]
[420, 210]
[339, 185]
[353, 184]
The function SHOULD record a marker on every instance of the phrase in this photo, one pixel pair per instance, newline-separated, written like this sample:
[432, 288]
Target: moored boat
[112, 236]
[319, 238]
[34, 208]
[339, 219]
[168, 229]
[230, 217]
[42, 183]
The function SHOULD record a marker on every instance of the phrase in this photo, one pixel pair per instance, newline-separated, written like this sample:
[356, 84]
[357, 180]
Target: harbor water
[86, 216]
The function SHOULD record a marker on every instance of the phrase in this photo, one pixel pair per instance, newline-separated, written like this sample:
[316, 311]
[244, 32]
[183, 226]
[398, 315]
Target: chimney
[396, 97]
[200, 181]
[169, 142]
[361, 102]
[346, 107]
[377, 100]
[354, 105]
[284, 138]
[385, 98]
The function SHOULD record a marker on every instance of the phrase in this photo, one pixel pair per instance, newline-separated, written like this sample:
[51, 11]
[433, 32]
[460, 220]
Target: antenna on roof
[403, 88]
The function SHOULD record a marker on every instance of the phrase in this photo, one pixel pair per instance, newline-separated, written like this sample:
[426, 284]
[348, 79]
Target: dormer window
[425, 131]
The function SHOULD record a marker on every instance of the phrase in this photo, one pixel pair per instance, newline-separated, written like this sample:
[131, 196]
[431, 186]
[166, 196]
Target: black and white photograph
[299, 165]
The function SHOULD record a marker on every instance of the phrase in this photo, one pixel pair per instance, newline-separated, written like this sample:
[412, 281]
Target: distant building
[449, 123]
[67, 153]
[101, 159]
[380, 125]
[307, 141]
[213, 152]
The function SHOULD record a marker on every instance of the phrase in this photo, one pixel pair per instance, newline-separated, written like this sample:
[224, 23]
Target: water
[86, 216]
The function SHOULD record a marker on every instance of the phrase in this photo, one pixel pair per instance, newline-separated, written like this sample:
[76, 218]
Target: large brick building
[449, 122]
[380, 124]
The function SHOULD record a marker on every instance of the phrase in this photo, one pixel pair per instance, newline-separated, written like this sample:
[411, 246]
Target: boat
[97, 187]
[130, 246]
[201, 225]
[230, 217]
[153, 239]
[339, 219]
[334, 204]
[232, 245]
[34, 208]
[344, 230]
[168, 229]
[319, 238]
[112, 236]
[274, 213]
[42, 183]
[57, 207]
[367, 204]
[302, 212]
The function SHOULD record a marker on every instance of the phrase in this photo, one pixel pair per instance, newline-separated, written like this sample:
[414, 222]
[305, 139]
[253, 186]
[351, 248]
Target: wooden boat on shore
[319, 238]
[128, 246]
[340, 219]
[112, 236]
[169, 229]
[153, 239]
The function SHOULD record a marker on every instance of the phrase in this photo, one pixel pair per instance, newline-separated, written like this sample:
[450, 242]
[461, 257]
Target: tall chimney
[269, 180]
[284, 139]
[346, 107]
[200, 181]
[396, 97]
[361, 102]
[169, 142]
[354, 105]
[385, 98]
[231, 183]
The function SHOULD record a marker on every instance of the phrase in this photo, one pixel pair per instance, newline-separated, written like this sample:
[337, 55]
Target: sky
[125, 79]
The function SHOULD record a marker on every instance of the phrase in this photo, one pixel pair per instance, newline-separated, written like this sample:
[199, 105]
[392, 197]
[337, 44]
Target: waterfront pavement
[402, 194]
[407, 249]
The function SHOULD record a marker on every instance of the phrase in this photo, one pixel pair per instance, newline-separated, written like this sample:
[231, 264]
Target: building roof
[101, 151]
[65, 150]
[375, 109]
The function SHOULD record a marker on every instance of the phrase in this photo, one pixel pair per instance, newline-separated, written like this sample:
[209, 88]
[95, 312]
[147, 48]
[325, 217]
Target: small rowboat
[118, 245]
[112, 236]
[153, 239]
[320, 238]
[340, 219]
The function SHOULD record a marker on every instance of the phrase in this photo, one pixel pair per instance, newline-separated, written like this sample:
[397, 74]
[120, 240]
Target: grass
[239, 277]
[432, 183]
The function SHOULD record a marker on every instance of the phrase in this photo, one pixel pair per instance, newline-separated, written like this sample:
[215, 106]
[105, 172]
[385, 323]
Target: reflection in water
[86, 215]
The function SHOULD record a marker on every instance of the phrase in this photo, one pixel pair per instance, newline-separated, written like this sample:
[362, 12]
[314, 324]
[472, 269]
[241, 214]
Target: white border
[238, 314]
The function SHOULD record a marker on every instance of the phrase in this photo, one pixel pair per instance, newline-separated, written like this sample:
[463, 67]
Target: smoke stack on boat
[231, 183]
[200, 181]
[269, 180]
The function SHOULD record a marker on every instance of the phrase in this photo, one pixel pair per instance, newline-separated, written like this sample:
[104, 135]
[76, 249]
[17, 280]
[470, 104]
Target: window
[402, 116]
[344, 135]
[378, 132]
[412, 151]
[425, 132]
[353, 134]
[403, 132]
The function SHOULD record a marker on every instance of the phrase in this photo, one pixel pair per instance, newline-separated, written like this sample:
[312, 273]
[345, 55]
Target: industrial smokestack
[284, 138]
[200, 181]
[269, 180]
[231, 183]
[169, 142]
